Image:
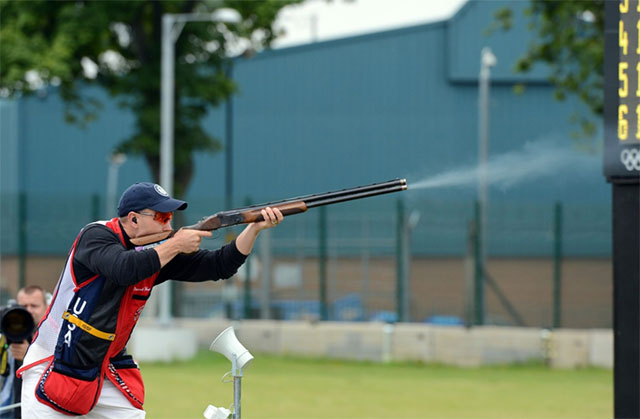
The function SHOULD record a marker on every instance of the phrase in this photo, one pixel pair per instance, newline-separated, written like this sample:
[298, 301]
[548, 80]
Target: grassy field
[274, 387]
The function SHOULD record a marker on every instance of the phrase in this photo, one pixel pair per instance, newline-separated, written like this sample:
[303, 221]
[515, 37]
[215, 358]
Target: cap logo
[160, 190]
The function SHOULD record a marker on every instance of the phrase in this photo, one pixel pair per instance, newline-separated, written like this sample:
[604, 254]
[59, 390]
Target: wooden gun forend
[253, 215]
[287, 208]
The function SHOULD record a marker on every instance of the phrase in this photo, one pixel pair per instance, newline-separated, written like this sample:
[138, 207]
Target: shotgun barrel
[290, 206]
[357, 193]
[334, 196]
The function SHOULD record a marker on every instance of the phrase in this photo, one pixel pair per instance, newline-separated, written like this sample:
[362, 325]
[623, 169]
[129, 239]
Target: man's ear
[131, 218]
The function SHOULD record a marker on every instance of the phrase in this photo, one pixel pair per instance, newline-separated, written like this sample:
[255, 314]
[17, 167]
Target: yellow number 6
[623, 124]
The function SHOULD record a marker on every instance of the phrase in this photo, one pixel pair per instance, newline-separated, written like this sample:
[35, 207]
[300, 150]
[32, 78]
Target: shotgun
[291, 206]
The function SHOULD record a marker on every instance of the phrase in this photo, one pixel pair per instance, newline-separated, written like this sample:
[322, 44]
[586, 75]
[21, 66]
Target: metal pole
[237, 386]
[411, 220]
[167, 103]
[365, 262]
[470, 274]
[247, 282]
[237, 390]
[557, 266]
[172, 25]
[228, 148]
[322, 262]
[400, 265]
[487, 60]
[247, 290]
[166, 138]
[478, 268]
[229, 145]
[265, 283]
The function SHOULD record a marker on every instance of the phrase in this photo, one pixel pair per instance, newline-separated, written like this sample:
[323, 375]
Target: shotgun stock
[291, 206]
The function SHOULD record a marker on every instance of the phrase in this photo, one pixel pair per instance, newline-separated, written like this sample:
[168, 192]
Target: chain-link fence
[376, 259]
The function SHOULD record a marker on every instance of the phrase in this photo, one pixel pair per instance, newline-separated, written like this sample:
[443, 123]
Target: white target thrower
[228, 345]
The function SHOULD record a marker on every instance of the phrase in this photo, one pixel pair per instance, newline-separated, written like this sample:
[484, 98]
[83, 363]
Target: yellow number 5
[623, 90]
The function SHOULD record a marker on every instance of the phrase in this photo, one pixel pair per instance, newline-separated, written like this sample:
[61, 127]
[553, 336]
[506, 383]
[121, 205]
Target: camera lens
[17, 324]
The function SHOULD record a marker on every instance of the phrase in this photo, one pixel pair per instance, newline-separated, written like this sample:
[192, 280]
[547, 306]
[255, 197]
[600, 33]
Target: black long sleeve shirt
[100, 251]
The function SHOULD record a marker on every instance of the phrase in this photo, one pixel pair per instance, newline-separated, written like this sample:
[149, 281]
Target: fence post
[401, 262]
[265, 284]
[247, 281]
[557, 265]
[322, 262]
[22, 239]
[365, 263]
[479, 268]
[470, 275]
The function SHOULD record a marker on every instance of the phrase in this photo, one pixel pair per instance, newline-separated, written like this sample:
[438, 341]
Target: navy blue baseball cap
[148, 195]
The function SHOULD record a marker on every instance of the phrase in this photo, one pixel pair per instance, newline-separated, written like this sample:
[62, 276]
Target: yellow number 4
[623, 39]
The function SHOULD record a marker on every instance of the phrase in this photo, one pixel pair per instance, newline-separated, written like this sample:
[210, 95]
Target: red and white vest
[83, 343]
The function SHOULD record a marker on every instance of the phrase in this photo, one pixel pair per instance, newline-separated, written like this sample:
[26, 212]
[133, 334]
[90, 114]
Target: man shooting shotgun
[77, 363]
[286, 207]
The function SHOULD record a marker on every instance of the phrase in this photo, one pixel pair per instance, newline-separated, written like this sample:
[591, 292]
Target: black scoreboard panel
[622, 90]
[622, 169]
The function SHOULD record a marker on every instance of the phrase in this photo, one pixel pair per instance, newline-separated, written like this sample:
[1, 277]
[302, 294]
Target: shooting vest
[82, 343]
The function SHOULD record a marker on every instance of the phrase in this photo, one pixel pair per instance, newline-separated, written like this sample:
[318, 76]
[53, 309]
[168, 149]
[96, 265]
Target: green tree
[571, 42]
[117, 45]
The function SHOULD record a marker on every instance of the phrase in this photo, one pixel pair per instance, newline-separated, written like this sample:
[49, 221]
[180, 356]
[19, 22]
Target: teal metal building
[330, 115]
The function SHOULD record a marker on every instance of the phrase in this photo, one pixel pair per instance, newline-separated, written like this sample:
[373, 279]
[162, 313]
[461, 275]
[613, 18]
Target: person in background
[33, 299]
[77, 363]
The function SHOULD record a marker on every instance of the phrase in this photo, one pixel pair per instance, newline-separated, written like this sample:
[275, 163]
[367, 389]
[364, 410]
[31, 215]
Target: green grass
[274, 387]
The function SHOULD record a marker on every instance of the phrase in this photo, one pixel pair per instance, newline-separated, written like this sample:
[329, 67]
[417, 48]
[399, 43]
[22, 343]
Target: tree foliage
[570, 40]
[117, 45]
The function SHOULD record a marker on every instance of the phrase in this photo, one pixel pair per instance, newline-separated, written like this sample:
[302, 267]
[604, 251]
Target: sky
[321, 20]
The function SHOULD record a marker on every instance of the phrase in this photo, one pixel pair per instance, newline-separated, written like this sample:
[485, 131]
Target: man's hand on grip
[188, 240]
